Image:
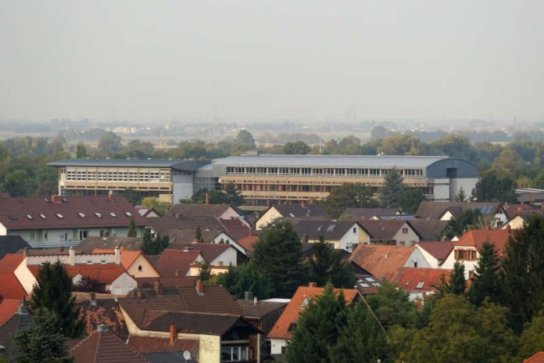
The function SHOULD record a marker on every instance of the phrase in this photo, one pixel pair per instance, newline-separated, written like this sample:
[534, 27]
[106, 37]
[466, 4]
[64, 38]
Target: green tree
[402, 145]
[485, 281]
[154, 203]
[277, 255]
[393, 189]
[522, 278]
[245, 278]
[471, 218]
[19, 183]
[296, 147]
[228, 196]
[244, 141]
[41, 341]
[53, 291]
[457, 332]
[361, 340]
[81, 150]
[327, 265]
[109, 144]
[410, 200]
[205, 272]
[392, 307]
[139, 149]
[349, 196]
[531, 340]
[153, 245]
[318, 328]
[457, 283]
[132, 232]
[495, 185]
[455, 146]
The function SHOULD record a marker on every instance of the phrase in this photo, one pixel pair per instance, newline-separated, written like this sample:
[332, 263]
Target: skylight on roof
[113, 215]
[59, 216]
[81, 215]
[128, 214]
[420, 285]
[29, 216]
[98, 215]
[331, 227]
[42, 216]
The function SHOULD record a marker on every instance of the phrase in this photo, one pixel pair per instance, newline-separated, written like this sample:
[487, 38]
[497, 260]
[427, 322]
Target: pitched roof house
[290, 211]
[447, 210]
[381, 261]
[368, 213]
[535, 358]
[399, 232]
[65, 221]
[430, 254]
[342, 234]
[281, 332]
[218, 256]
[21, 319]
[12, 244]
[420, 282]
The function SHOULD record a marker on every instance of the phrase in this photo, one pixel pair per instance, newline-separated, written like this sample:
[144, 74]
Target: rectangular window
[405, 230]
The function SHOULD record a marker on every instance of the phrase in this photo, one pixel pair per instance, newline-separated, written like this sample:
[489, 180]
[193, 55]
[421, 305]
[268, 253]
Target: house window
[354, 229]
[235, 353]
[140, 268]
[45, 236]
[83, 235]
[404, 230]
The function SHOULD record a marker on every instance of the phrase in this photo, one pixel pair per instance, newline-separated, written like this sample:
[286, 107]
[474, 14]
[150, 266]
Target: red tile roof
[104, 348]
[382, 230]
[382, 261]
[235, 228]
[248, 242]
[292, 311]
[11, 261]
[8, 308]
[127, 256]
[477, 237]
[412, 279]
[535, 358]
[175, 263]
[21, 213]
[104, 273]
[10, 287]
[438, 249]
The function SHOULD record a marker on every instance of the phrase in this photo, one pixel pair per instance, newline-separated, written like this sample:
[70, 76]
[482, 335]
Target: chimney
[312, 284]
[110, 196]
[508, 228]
[255, 301]
[56, 199]
[173, 334]
[71, 256]
[207, 198]
[117, 257]
[199, 286]
[158, 287]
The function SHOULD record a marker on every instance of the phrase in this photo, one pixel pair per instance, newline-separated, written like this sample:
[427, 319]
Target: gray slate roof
[187, 165]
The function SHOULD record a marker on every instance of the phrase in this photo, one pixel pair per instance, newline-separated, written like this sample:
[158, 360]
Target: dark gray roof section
[185, 165]
[452, 168]
[12, 244]
[329, 230]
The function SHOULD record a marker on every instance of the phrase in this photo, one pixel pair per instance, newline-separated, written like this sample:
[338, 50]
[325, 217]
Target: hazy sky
[261, 60]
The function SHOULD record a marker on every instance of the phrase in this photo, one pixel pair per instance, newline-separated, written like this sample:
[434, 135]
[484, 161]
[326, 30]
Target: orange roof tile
[173, 262]
[382, 261]
[248, 242]
[11, 261]
[477, 237]
[104, 273]
[11, 288]
[8, 307]
[292, 311]
[412, 279]
[535, 358]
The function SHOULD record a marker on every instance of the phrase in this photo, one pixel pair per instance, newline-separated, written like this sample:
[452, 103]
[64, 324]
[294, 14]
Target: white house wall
[268, 217]
[406, 239]
[417, 257]
[228, 257]
[123, 284]
[25, 277]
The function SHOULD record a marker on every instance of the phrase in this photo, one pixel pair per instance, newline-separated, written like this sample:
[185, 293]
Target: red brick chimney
[199, 286]
[173, 334]
[56, 199]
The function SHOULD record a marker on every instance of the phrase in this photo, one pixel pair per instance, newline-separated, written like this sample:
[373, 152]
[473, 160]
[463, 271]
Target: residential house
[13, 322]
[381, 261]
[342, 235]
[11, 287]
[430, 254]
[446, 211]
[420, 282]
[282, 330]
[66, 221]
[165, 349]
[135, 263]
[400, 233]
[355, 214]
[176, 263]
[429, 229]
[207, 315]
[466, 250]
[218, 256]
[219, 211]
[104, 243]
[279, 211]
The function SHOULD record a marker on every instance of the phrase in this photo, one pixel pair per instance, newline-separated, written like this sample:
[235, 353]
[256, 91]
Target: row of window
[322, 171]
[118, 175]
[80, 214]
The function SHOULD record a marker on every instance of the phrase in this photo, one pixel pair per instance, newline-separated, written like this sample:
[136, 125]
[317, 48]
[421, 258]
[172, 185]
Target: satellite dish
[186, 355]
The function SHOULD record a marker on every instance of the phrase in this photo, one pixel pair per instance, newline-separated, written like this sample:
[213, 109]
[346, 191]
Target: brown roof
[435, 210]
[199, 209]
[264, 312]
[174, 262]
[20, 213]
[191, 323]
[8, 308]
[11, 261]
[438, 249]
[513, 210]
[427, 229]
[209, 251]
[297, 210]
[235, 228]
[104, 273]
[248, 243]
[381, 230]
[328, 229]
[142, 344]
[92, 243]
[477, 237]
[10, 287]
[535, 358]
[291, 313]
[382, 261]
[412, 279]
[367, 213]
[104, 347]
[184, 228]
[216, 299]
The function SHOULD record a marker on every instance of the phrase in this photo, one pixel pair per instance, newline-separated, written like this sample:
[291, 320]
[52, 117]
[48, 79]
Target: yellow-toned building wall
[147, 269]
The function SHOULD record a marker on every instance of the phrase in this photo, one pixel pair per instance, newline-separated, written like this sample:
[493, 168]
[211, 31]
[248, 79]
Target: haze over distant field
[262, 60]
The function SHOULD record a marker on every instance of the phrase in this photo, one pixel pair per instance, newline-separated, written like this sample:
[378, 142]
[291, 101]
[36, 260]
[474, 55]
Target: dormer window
[81, 215]
[42, 216]
[98, 215]
[59, 216]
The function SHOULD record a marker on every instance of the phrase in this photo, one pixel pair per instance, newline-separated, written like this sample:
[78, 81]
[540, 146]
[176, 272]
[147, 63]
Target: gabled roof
[24, 213]
[143, 345]
[192, 323]
[199, 210]
[209, 251]
[477, 237]
[10, 287]
[8, 308]
[104, 347]
[435, 210]
[535, 358]
[412, 279]
[12, 244]
[281, 330]
[382, 230]
[235, 228]
[427, 229]
[328, 229]
[11, 261]
[18, 321]
[513, 210]
[382, 261]
[367, 213]
[184, 228]
[297, 210]
[248, 242]
[175, 262]
[438, 249]
[104, 273]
